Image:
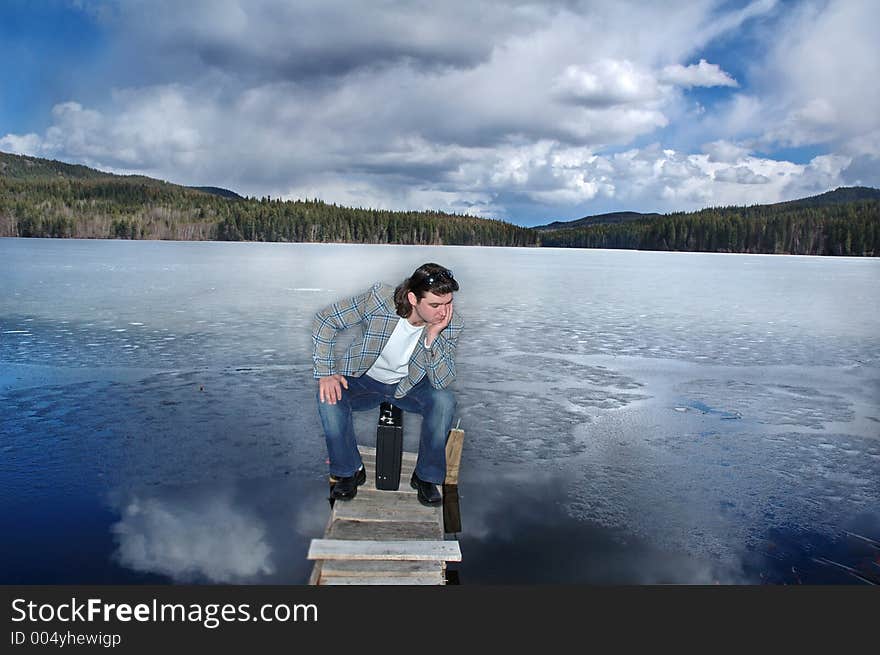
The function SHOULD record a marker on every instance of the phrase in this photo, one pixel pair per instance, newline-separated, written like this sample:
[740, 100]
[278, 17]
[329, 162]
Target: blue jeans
[437, 407]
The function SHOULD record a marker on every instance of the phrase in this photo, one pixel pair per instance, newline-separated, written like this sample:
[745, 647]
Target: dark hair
[427, 277]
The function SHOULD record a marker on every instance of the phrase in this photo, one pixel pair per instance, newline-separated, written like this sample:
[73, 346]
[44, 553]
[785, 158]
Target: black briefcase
[389, 447]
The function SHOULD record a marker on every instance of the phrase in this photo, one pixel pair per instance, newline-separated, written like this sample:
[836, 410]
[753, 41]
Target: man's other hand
[330, 388]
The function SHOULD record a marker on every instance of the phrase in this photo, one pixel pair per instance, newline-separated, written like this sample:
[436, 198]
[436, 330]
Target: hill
[838, 196]
[24, 168]
[20, 167]
[845, 221]
[47, 198]
[218, 191]
[597, 219]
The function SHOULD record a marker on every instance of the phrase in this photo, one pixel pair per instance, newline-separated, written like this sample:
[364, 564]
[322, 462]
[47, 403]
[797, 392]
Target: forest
[848, 228]
[53, 199]
[46, 198]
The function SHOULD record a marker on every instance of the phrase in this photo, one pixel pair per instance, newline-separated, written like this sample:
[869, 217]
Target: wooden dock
[385, 537]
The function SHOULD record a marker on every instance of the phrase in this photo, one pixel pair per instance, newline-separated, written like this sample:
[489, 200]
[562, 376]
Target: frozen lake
[630, 417]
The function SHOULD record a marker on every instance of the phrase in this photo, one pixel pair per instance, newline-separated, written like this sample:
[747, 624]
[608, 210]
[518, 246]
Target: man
[405, 354]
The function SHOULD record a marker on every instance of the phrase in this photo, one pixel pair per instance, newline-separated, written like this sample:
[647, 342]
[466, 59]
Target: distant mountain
[218, 191]
[845, 221]
[840, 195]
[598, 219]
[47, 198]
[21, 167]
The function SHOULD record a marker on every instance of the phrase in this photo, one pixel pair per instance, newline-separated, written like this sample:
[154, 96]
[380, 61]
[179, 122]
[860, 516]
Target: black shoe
[428, 491]
[347, 488]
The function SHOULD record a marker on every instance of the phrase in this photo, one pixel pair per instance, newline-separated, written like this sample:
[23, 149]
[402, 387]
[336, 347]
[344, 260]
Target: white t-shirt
[393, 362]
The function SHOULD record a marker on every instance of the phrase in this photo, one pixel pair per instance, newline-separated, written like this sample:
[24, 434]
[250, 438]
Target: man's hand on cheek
[435, 329]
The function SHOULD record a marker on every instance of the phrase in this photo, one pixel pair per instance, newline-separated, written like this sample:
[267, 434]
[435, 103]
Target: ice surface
[681, 417]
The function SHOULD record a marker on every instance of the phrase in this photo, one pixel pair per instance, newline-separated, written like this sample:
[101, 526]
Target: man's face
[430, 309]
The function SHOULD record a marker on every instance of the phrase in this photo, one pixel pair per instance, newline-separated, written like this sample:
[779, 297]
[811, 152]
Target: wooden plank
[315, 577]
[383, 537]
[388, 498]
[378, 568]
[370, 505]
[373, 550]
[353, 512]
[380, 530]
[430, 579]
[453, 454]
[398, 498]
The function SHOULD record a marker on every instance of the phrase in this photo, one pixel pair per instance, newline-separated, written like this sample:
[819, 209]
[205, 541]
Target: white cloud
[147, 130]
[818, 73]
[646, 179]
[864, 144]
[189, 539]
[815, 122]
[733, 20]
[740, 175]
[701, 74]
[607, 83]
[742, 115]
[822, 173]
[22, 144]
[653, 178]
[864, 166]
[725, 151]
[476, 106]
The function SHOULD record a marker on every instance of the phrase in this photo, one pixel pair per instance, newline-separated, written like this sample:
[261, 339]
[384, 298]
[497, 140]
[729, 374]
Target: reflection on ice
[191, 541]
[771, 404]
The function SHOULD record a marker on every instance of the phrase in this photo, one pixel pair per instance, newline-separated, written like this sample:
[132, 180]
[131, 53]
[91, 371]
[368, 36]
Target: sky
[528, 112]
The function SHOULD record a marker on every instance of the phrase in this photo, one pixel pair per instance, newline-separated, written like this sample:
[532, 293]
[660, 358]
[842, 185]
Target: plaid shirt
[375, 312]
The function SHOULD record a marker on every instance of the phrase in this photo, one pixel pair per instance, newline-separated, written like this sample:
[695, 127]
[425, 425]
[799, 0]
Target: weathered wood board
[383, 537]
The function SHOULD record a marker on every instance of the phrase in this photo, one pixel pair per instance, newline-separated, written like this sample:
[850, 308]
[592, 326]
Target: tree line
[849, 228]
[56, 204]
[143, 209]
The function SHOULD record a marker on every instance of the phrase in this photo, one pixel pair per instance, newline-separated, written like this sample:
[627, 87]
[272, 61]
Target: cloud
[701, 74]
[812, 123]
[147, 130]
[725, 151]
[863, 170]
[475, 107]
[607, 83]
[21, 144]
[201, 537]
[739, 118]
[730, 21]
[272, 40]
[740, 175]
[556, 176]
[816, 74]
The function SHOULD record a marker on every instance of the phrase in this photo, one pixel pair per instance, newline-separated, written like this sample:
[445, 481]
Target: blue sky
[528, 112]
